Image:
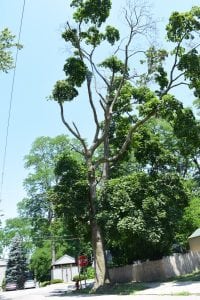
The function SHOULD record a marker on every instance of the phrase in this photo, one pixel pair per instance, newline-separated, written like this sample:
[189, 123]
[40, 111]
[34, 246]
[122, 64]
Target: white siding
[65, 273]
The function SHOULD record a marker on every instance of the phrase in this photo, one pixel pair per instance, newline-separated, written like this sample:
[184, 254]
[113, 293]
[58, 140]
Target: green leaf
[95, 11]
[76, 71]
[64, 91]
[112, 34]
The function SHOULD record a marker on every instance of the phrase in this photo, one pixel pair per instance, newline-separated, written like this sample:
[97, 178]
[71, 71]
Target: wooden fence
[167, 267]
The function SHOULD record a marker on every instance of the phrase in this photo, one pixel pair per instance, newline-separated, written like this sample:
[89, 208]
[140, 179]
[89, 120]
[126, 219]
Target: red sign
[82, 261]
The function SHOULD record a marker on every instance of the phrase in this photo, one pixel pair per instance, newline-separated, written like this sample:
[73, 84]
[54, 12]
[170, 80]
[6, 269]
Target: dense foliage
[40, 263]
[140, 214]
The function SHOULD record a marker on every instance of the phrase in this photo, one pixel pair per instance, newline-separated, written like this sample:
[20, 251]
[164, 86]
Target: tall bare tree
[116, 87]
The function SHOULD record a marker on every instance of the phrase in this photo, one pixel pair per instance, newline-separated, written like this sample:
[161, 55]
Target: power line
[11, 101]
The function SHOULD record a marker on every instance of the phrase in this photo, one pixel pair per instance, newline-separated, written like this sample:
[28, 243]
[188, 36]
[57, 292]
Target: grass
[195, 276]
[115, 289]
[183, 293]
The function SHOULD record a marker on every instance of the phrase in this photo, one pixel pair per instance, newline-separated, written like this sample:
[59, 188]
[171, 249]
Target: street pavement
[156, 291]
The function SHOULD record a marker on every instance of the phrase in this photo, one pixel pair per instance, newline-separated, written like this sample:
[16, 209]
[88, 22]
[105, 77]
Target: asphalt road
[156, 292]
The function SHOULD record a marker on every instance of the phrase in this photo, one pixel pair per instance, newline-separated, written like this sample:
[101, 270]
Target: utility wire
[10, 102]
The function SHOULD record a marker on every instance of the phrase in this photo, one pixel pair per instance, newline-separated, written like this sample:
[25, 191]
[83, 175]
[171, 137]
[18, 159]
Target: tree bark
[101, 273]
[99, 256]
[106, 156]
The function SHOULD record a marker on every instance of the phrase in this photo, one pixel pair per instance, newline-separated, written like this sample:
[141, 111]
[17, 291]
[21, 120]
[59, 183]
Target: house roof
[64, 260]
[196, 233]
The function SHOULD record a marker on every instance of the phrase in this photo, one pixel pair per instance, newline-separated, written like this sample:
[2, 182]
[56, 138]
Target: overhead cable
[11, 101]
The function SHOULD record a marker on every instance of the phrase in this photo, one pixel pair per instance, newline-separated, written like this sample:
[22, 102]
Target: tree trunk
[106, 163]
[53, 251]
[99, 256]
[97, 240]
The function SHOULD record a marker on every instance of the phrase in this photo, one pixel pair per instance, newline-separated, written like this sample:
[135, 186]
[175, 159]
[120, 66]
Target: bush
[54, 281]
[90, 273]
[45, 283]
[79, 277]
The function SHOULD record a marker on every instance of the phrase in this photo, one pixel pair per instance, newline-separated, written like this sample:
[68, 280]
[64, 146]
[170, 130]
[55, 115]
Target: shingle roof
[196, 233]
[65, 260]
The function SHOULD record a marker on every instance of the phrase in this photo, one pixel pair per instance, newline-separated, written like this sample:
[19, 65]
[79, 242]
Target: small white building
[64, 268]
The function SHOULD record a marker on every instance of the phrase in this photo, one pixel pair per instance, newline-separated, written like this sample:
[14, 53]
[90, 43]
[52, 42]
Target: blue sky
[39, 66]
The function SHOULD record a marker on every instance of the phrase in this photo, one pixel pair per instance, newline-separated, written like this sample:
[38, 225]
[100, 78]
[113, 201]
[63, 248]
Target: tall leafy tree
[123, 94]
[17, 263]
[41, 161]
[38, 207]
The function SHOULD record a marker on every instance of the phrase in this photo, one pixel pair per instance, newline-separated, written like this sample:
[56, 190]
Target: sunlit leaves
[112, 34]
[94, 11]
[70, 35]
[169, 107]
[190, 63]
[146, 99]
[125, 96]
[92, 36]
[114, 64]
[6, 43]
[161, 78]
[183, 25]
[76, 71]
[155, 58]
[64, 91]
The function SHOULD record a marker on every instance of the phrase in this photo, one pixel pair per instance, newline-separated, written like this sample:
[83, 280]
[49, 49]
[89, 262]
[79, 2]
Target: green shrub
[79, 277]
[54, 281]
[90, 273]
[45, 283]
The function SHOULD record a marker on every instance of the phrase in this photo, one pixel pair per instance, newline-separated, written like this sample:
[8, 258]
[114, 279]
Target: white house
[64, 268]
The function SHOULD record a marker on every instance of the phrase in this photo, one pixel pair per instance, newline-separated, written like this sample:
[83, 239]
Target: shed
[64, 268]
[194, 240]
